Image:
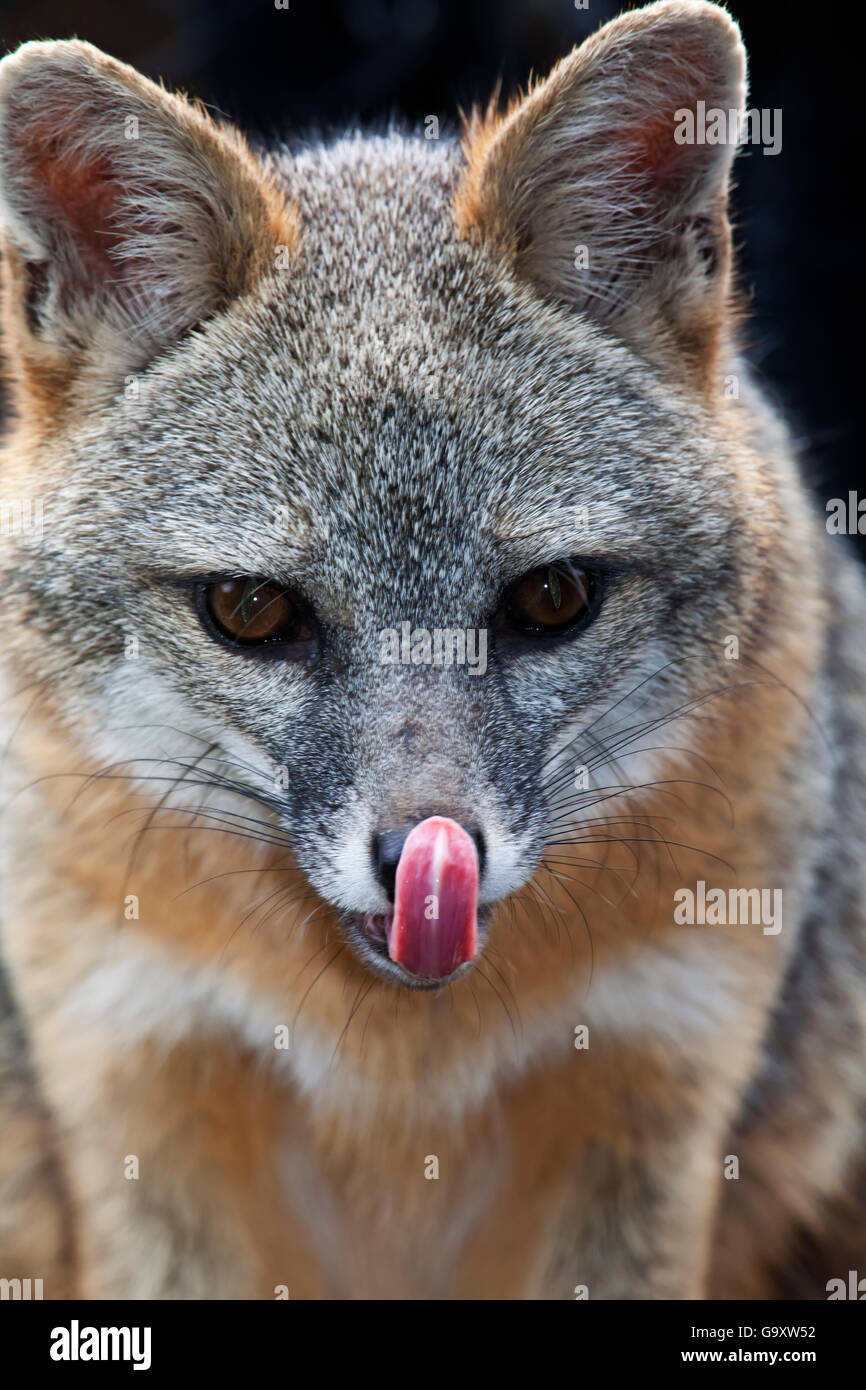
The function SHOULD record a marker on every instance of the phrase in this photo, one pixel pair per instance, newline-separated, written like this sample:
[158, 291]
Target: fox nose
[388, 846]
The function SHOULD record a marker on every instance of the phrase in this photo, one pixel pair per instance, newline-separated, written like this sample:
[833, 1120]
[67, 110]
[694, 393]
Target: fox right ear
[128, 216]
[584, 188]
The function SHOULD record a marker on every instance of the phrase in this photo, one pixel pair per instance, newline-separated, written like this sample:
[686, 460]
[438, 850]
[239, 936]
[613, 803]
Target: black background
[327, 63]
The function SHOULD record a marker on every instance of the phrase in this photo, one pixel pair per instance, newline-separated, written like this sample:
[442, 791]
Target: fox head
[381, 477]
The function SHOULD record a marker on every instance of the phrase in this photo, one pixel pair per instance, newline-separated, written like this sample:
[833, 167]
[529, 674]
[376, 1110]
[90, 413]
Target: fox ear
[128, 216]
[584, 186]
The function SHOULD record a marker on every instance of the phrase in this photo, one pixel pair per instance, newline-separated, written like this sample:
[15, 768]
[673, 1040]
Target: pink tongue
[435, 925]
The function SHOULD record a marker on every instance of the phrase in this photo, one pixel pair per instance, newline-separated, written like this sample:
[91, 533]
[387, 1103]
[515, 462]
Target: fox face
[385, 482]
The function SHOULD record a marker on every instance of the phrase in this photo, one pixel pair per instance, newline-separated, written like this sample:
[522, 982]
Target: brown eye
[254, 612]
[550, 599]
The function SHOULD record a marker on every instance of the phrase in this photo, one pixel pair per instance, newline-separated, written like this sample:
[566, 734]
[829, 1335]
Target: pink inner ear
[657, 158]
[82, 193]
[650, 135]
[656, 162]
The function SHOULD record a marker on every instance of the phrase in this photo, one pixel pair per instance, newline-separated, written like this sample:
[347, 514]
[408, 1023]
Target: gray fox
[434, 731]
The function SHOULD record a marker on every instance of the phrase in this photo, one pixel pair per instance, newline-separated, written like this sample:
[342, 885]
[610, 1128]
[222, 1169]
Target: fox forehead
[393, 386]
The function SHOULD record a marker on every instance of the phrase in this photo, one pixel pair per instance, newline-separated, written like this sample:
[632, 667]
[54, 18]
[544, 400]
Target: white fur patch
[144, 992]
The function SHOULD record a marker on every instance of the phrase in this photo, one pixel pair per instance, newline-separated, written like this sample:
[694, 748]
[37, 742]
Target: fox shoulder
[34, 1229]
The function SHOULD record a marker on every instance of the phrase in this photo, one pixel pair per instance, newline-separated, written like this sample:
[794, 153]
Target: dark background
[327, 63]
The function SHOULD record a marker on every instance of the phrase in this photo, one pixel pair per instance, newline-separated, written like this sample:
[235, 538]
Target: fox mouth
[432, 932]
[370, 935]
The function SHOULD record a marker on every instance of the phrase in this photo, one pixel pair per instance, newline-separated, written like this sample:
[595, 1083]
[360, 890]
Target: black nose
[388, 846]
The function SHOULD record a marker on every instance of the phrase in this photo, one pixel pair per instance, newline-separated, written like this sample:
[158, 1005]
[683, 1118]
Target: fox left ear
[127, 215]
[585, 187]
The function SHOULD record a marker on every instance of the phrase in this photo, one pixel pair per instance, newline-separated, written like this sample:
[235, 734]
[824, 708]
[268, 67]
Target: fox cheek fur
[392, 379]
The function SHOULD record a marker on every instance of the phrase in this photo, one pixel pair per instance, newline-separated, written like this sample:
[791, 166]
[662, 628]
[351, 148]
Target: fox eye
[253, 612]
[550, 599]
